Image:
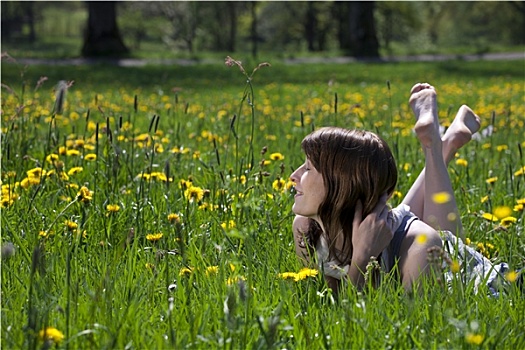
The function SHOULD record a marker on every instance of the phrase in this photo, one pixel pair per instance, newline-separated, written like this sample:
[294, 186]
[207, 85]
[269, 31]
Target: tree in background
[356, 28]
[102, 36]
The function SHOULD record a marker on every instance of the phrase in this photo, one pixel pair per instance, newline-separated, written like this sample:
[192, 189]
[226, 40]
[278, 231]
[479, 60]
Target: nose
[295, 175]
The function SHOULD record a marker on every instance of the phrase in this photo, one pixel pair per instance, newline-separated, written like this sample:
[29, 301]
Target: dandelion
[501, 148]
[306, 272]
[520, 171]
[475, 339]
[511, 276]
[454, 266]
[51, 334]
[173, 218]
[212, 270]
[154, 237]
[276, 156]
[518, 207]
[288, 275]
[84, 195]
[502, 212]
[150, 266]
[491, 180]
[52, 158]
[72, 152]
[397, 194]
[279, 185]
[484, 199]
[112, 208]
[71, 225]
[185, 271]
[489, 217]
[90, 157]
[228, 225]
[441, 197]
[506, 222]
[194, 193]
[36, 173]
[462, 162]
[75, 170]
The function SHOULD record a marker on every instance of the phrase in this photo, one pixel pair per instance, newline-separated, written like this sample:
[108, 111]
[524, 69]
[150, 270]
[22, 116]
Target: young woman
[343, 186]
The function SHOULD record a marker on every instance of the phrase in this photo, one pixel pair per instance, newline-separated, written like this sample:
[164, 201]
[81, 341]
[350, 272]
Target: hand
[372, 234]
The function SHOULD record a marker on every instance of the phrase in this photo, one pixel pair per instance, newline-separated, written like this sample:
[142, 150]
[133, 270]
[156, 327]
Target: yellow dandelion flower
[276, 156]
[84, 195]
[75, 170]
[228, 225]
[52, 158]
[62, 150]
[235, 279]
[489, 217]
[212, 270]
[154, 237]
[421, 239]
[194, 193]
[454, 266]
[112, 208]
[502, 212]
[288, 275]
[467, 241]
[518, 207]
[173, 218]
[185, 271]
[520, 201]
[71, 225]
[36, 173]
[306, 272]
[520, 171]
[42, 234]
[72, 152]
[508, 221]
[279, 185]
[462, 162]
[475, 339]
[242, 179]
[441, 197]
[150, 266]
[232, 267]
[484, 199]
[501, 148]
[511, 276]
[491, 180]
[406, 167]
[51, 334]
[90, 157]
[397, 194]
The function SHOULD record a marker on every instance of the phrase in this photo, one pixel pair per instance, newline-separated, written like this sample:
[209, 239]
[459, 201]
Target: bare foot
[423, 101]
[465, 124]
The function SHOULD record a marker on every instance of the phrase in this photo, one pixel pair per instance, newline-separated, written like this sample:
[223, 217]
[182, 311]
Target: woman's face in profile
[310, 190]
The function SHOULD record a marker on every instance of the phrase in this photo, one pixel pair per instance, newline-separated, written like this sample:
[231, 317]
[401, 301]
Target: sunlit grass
[136, 217]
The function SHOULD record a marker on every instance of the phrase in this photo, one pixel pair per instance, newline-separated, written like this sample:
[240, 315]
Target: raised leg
[459, 133]
[434, 179]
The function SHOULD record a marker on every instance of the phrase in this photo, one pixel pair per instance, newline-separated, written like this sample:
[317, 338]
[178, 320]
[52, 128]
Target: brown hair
[355, 165]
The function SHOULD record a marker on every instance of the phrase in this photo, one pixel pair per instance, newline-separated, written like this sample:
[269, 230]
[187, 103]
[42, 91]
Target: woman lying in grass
[343, 186]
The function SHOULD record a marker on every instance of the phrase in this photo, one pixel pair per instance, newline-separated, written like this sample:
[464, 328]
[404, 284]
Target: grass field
[154, 210]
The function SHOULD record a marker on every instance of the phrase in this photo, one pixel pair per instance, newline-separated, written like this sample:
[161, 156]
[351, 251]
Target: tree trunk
[357, 30]
[102, 37]
[310, 25]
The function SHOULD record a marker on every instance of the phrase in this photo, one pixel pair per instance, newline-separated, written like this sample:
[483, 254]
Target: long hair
[355, 165]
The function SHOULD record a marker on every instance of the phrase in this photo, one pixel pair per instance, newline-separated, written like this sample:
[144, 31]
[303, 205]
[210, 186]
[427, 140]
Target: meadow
[150, 207]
